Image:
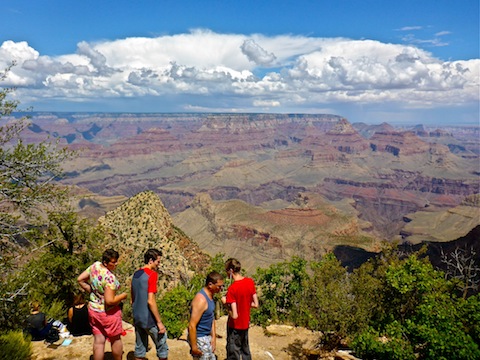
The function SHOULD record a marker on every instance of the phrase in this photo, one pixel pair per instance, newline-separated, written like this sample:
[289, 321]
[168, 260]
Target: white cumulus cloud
[256, 53]
[247, 72]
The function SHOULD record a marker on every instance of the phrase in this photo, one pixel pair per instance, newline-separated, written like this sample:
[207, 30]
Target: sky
[403, 62]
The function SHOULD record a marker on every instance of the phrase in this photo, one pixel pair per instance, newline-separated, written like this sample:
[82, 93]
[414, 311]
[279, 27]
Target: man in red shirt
[144, 307]
[241, 297]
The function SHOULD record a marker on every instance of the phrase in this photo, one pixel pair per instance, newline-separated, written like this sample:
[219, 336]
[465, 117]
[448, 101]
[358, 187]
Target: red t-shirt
[152, 280]
[241, 292]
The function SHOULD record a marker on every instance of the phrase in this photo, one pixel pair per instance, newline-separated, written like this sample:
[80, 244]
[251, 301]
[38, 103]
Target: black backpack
[53, 335]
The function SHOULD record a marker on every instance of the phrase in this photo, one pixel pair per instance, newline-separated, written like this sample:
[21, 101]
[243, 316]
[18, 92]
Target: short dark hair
[151, 254]
[213, 277]
[233, 264]
[78, 299]
[108, 255]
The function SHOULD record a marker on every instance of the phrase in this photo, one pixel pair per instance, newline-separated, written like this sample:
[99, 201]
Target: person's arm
[214, 336]
[199, 305]
[254, 303]
[83, 279]
[70, 315]
[234, 311]
[228, 305]
[152, 304]
[111, 299]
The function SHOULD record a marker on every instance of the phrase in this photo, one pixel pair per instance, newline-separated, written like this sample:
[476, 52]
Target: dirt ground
[278, 343]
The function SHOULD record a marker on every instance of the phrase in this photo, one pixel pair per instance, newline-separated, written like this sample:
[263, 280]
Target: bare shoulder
[199, 304]
[199, 300]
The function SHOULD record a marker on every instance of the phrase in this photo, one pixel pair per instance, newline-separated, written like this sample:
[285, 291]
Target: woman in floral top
[104, 312]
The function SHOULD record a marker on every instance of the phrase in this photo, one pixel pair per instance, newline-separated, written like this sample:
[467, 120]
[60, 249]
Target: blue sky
[403, 62]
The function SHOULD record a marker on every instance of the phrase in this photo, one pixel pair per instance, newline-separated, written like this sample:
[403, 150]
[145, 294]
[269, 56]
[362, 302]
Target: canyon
[268, 186]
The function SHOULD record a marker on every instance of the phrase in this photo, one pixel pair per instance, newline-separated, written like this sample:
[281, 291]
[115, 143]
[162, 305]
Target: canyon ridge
[264, 187]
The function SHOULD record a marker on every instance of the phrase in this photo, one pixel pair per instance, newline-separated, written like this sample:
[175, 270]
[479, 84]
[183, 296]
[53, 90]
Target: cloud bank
[243, 72]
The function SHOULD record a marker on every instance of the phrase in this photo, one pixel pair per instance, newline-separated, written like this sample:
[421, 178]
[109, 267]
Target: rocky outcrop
[398, 143]
[309, 226]
[142, 222]
[368, 130]
[443, 225]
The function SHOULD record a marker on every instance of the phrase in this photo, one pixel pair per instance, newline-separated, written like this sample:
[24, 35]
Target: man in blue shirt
[145, 311]
[201, 328]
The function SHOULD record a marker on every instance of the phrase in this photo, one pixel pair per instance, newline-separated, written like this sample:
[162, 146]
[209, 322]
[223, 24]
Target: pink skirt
[108, 323]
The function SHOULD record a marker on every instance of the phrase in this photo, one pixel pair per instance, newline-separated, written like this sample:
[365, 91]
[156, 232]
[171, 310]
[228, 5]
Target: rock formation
[309, 226]
[261, 158]
[142, 222]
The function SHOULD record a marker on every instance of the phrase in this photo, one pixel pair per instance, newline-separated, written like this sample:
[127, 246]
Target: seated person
[78, 324]
[38, 327]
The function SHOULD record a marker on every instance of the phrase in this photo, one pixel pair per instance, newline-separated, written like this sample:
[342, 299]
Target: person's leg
[233, 345]
[44, 332]
[117, 347]
[204, 343]
[141, 343]
[98, 346]
[245, 347]
[160, 341]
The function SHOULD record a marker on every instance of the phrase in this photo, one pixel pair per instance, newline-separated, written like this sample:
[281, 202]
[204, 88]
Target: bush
[422, 317]
[56, 310]
[328, 294]
[127, 312]
[13, 345]
[174, 308]
[282, 297]
[368, 345]
[316, 295]
[470, 315]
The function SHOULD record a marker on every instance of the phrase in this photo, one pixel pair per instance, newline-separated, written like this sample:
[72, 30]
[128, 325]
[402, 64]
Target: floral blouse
[100, 278]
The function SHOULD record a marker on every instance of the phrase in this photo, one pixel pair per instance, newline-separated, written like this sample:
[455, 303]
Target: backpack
[53, 335]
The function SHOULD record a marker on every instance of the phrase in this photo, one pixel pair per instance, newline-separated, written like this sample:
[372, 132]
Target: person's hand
[224, 300]
[161, 328]
[196, 352]
[214, 344]
[122, 297]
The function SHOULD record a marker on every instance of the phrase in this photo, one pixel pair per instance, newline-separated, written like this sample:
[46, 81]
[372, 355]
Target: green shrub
[317, 295]
[438, 330]
[470, 315]
[174, 308]
[328, 297]
[282, 298]
[13, 345]
[56, 310]
[367, 284]
[369, 345]
[422, 316]
[127, 312]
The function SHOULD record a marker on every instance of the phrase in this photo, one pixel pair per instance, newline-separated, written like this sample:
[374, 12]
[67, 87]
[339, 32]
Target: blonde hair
[35, 305]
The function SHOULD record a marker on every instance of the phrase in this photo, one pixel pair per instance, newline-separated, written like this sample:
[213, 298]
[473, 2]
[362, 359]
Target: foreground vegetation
[392, 307]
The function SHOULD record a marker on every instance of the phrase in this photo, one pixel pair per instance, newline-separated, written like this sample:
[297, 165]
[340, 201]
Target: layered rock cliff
[309, 226]
[386, 172]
